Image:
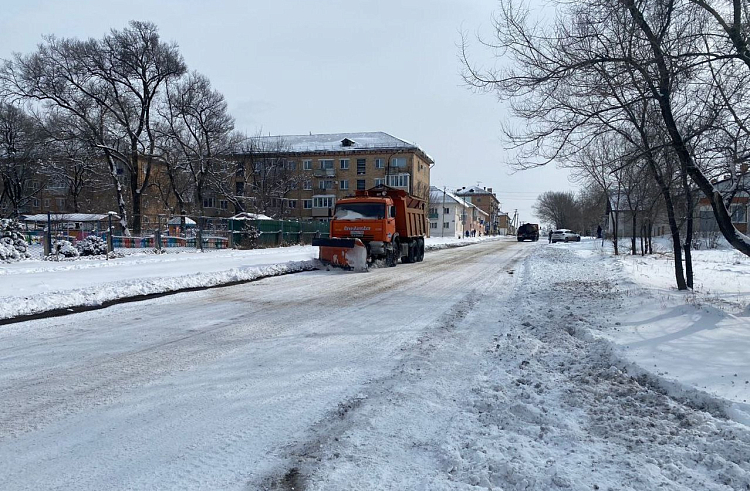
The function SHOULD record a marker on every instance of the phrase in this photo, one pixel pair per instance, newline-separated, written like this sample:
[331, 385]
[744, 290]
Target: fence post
[48, 242]
[199, 234]
[157, 234]
[110, 239]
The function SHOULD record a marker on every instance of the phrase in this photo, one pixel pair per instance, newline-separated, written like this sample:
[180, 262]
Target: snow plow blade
[344, 253]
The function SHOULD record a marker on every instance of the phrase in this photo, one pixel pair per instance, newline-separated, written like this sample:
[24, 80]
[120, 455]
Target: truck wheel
[420, 250]
[393, 255]
[411, 255]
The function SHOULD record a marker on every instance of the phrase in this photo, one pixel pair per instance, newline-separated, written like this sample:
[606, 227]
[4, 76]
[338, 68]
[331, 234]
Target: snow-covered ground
[498, 366]
[33, 286]
[700, 339]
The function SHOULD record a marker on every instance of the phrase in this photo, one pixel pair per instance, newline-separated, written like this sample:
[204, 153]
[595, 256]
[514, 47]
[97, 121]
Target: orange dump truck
[378, 223]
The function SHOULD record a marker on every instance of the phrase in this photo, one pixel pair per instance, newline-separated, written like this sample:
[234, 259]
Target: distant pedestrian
[550, 236]
[598, 231]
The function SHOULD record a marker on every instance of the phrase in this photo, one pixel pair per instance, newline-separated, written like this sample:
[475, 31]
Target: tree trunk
[688, 231]
[121, 206]
[632, 239]
[662, 93]
[615, 231]
[674, 229]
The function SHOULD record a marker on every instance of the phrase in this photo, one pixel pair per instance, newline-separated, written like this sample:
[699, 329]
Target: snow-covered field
[497, 366]
[33, 286]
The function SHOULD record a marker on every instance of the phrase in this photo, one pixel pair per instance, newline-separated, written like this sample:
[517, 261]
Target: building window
[344, 185]
[379, 181]
[307, 185]
[433, 224]
[446, 225]
[209, 202]
[379, 163]
[239, 188]
[361, 167]
[360, 184]
[307, 164]
[326, 164]
[739, 213]
[306, 204]
[292, 203]
[60, 203]
[46, 202]
[223, 204]
[325, 184]
[446, 210]
[344, 164]
[323, 201]
[398, 162]
[291, 165]
[35, 203]
[399, 181]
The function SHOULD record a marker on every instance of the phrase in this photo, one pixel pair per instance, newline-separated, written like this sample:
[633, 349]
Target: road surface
[475, 369]
[209, 389]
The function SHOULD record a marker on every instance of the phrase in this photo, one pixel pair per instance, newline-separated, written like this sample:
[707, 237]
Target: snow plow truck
[378, 223]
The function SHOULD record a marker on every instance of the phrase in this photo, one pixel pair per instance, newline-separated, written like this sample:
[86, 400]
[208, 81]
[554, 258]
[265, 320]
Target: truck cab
[384, 222]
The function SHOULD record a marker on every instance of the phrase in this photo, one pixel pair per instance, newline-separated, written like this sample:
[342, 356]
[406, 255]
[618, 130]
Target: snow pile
[12, 244]
[92, 246]
[91, 296]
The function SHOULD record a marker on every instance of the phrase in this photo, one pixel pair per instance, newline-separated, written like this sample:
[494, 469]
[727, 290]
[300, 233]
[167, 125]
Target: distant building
[452, 216]
[739, 206]
[485, 200]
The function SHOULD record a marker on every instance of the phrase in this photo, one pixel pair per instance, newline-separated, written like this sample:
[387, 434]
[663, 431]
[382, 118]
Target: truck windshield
[357, 211]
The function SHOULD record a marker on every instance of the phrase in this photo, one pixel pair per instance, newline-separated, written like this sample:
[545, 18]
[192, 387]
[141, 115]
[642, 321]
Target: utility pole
[442, 216]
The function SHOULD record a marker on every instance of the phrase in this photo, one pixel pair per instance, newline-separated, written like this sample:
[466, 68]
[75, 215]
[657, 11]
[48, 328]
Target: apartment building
[485, 200]
[452, 216]
[320, 169]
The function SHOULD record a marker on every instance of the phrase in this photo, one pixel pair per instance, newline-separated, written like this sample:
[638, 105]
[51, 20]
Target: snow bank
[691, 345]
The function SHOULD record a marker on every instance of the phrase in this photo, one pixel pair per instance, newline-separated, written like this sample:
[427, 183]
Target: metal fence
[173, 233]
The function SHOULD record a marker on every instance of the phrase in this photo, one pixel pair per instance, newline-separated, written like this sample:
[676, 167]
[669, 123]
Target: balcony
[432, 216]
[324, 172]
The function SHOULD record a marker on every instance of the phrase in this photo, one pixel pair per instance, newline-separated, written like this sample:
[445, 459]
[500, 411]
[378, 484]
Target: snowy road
[208, 389]
[471, 370]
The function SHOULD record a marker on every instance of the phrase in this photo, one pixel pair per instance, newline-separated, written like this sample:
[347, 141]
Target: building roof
[178, 220]
[250, 216]
[68, 217]
[451, 198]
[336, 142]
[476, 190]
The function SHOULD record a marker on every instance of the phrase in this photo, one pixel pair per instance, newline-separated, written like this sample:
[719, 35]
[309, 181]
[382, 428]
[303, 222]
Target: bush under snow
[64, 248]
[92, 246]
[12, 244]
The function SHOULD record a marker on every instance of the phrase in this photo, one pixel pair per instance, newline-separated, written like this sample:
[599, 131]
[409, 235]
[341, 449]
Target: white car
[565, 235]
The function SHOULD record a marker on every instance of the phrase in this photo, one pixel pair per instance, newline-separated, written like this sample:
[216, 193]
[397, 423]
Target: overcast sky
[295, 67]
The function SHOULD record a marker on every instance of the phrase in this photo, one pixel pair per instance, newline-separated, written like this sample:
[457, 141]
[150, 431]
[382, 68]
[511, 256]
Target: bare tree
[272, 174]
[71, 161]
[197, 139]
[20, 152]
[599, 60]
[558, 208]
[111, 86]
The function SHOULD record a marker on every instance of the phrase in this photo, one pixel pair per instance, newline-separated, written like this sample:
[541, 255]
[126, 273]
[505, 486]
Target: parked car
[565, 235]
